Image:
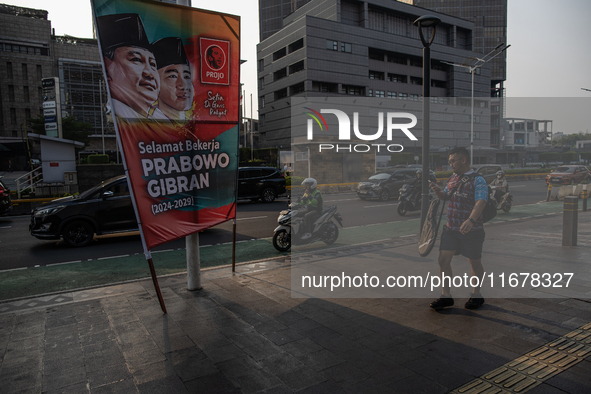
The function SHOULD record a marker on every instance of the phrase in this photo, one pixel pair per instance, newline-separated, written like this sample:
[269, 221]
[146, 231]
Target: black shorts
[468, 245]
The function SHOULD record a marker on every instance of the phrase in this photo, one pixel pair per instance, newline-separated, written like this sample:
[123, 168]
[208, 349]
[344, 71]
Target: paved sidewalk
[244, 333]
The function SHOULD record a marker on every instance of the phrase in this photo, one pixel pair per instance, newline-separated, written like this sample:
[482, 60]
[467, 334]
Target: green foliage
[569, 156]
[98, 159]
[571, 139]
[294, 180]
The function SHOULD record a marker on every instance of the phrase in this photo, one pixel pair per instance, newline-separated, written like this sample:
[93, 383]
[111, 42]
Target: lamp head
[427, 21]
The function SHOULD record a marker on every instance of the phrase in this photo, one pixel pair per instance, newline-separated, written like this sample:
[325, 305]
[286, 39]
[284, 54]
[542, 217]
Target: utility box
[70, 178]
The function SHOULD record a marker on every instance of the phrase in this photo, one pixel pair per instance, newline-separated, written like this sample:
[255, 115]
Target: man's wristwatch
[472, 220]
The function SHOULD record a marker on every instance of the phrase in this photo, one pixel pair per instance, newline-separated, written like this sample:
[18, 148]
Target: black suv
[265, 183]
[386, 185]
[5, 201]
[104, 209]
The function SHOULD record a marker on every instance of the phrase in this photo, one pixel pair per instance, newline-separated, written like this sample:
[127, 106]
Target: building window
[354, 90]
[380, 93]
[262, 120]
[13, 116]
[395, 58]
[391, 94]
[261, 64]
[416, 62]
[262, 101]
[277, 75]
[403, 96]
[279, 54]
[25, 71]
[397, 78]
[23, 49]
[27, 114]
[438, 84]
[294, 46]
[332, 45]
[376, 75]
[370, 92]
[416, 80]
[296, 67]
[10, 93]
[39, 72]
[26, 94]
[324, 87]
[9, 69]
[39, 94]
[281, 94]
[297, 88]
[376, 54]
[261, 83]
[346, 47]
[414, 97]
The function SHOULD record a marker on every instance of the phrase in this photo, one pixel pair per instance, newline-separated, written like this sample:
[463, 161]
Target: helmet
[419, 173]
[500, 174]
[310, 182]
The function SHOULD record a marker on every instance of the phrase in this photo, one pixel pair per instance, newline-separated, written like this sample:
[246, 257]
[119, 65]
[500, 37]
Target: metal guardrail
[28, 181]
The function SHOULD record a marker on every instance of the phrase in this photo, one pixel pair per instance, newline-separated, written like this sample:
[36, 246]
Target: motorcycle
[505, 202]
[291, 222]
[408, 200]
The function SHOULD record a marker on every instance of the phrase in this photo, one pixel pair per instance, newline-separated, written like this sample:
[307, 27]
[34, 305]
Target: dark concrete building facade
[30, 52]
[340, 48]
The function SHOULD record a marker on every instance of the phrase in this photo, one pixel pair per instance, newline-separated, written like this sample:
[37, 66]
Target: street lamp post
[472, 64]
[426, 21]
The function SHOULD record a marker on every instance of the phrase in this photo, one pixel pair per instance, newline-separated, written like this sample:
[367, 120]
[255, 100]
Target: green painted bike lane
[71, 276]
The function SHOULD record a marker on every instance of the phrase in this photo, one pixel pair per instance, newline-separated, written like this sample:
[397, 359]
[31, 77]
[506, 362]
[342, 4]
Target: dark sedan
[104, 209]
[385, 185]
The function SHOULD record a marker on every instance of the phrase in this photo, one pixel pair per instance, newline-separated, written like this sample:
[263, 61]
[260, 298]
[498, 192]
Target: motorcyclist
[416, 185]
[502, 186]
[312, 200]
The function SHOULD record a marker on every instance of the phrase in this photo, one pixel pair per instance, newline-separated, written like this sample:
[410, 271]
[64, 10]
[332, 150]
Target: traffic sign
[49, 112]
[51, 126]
[49, 104]
[50, 119]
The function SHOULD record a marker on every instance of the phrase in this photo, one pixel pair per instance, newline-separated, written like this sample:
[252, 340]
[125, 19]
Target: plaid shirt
[462, 202]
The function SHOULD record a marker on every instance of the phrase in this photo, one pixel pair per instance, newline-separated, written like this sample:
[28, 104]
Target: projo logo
[345, 130]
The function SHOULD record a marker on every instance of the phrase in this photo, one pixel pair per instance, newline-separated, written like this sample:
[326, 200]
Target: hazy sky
[550, 54]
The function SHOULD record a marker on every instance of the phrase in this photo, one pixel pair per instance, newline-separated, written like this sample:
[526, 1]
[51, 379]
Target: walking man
[464, 233]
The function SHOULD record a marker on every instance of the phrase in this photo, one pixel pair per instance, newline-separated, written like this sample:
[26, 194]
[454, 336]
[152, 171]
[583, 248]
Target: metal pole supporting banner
[156, 287]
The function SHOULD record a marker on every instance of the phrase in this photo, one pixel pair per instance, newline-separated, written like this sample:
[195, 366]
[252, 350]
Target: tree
[71, 128]
[570, 140]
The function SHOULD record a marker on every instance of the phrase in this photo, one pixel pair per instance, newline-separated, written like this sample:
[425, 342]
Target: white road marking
[379, 206]
[254, 217]
[67, 262]
[113, 257]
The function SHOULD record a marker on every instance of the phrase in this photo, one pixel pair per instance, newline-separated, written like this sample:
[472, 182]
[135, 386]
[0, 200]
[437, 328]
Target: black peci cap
[169, 51]
[122, 30]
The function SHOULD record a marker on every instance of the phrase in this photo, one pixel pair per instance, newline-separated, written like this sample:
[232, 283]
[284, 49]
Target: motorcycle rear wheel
[282, 241]
[402, 209]
[507, 207]
[332, 234]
